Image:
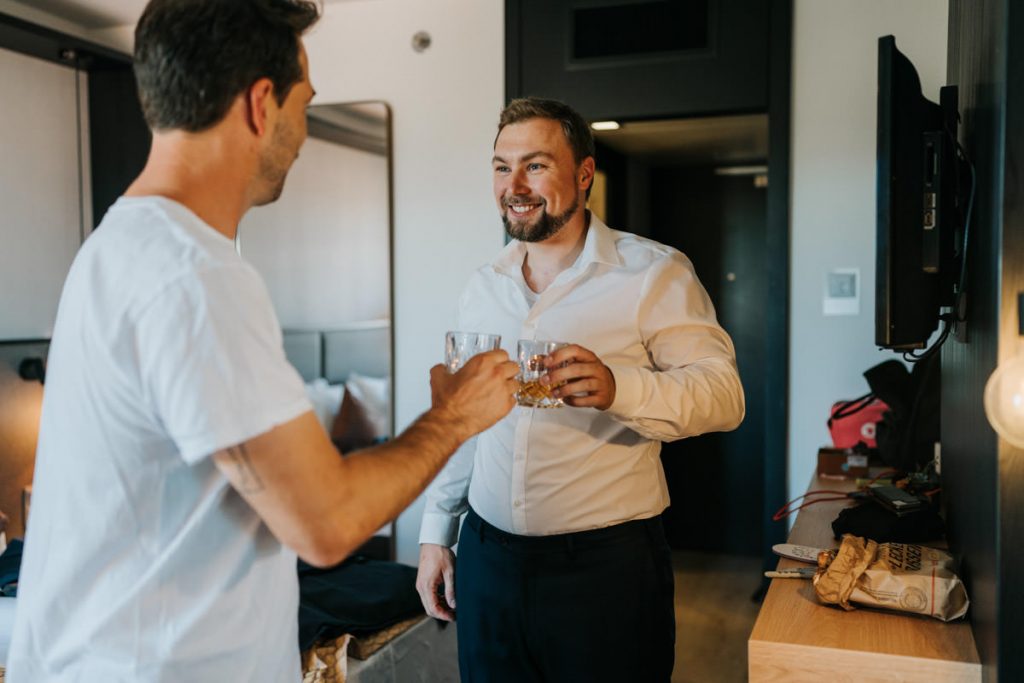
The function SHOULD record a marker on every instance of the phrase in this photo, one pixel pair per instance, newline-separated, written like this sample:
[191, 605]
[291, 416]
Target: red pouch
[853, 422]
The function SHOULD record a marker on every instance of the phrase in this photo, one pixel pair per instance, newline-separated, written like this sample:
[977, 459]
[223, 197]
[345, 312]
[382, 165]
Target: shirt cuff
[439, 528]
[629, 383]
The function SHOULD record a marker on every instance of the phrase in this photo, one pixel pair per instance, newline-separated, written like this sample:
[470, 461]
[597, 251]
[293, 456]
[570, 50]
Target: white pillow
[326, 400]
[373, 394]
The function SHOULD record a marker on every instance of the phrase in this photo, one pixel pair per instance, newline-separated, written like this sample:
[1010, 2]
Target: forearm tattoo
[248, 481]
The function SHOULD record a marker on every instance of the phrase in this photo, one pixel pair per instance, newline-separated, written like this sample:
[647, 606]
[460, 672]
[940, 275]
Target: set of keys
[800, 553]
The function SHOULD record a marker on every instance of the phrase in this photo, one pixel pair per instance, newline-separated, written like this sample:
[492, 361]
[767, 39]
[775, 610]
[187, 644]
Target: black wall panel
[983, 477]
[118, 135]
[719, 222]
[641, 58]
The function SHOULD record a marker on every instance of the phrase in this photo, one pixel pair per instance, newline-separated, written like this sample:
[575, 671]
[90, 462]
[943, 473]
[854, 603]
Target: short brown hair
[576, 130]
[193, 57]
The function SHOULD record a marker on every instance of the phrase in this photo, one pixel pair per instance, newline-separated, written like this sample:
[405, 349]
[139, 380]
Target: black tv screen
[916, 218]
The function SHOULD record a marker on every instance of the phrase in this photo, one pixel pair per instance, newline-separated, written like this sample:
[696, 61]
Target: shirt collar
[598, 247]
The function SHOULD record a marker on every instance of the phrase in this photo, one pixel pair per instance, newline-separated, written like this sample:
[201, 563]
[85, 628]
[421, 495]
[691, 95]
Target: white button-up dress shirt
[638, 305]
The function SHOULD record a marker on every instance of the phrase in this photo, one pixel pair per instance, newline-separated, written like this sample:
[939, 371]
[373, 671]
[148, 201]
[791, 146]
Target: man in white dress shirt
[564, 573]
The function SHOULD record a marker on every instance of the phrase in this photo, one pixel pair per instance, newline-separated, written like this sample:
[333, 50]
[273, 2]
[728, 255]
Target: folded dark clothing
[10, 567]
[870, 520]
[358, 596]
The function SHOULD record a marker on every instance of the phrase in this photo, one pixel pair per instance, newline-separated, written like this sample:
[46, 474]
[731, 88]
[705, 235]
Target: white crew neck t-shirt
[141, 562]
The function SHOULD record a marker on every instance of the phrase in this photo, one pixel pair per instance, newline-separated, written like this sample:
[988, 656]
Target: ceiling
[713, 141]
[97, 14]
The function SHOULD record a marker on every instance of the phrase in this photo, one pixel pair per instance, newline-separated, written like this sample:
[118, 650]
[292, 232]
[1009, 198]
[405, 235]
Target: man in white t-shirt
[180, 468]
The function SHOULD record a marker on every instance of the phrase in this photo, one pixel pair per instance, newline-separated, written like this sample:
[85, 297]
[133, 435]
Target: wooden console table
[796, 638]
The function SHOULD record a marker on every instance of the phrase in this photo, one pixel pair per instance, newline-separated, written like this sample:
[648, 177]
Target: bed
[358, 357]
[420, 649]
[334, 354]
[347, 373]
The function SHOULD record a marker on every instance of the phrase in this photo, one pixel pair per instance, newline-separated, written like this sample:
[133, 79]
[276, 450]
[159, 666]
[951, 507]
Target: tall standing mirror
[324, 251]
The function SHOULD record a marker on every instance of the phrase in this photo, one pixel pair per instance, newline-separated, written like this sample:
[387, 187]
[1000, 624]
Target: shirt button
[517, 503]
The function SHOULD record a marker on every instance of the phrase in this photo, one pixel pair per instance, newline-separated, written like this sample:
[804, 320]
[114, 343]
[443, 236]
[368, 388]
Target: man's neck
[545, 260]
[200, 172]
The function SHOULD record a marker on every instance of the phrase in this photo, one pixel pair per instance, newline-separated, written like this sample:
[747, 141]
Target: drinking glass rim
[559, 344]
[477, 334]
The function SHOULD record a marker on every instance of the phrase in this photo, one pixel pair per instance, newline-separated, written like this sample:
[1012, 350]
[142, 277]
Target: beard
[543, 227]
[276, 162]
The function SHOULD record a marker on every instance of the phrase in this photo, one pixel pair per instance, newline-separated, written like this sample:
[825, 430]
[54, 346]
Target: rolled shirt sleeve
[693, 387]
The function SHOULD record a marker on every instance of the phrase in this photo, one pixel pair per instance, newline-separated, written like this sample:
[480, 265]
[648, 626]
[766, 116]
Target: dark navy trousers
[591, 606]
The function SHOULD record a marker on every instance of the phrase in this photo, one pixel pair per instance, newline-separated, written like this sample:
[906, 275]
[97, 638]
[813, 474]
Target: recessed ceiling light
[741, 170]
[605, 125]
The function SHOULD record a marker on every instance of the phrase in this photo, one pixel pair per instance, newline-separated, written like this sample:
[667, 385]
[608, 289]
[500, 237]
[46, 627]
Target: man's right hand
[437, 570]
[478, 395]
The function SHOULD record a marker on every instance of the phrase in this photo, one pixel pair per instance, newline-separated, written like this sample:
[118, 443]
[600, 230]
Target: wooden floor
[714, 615]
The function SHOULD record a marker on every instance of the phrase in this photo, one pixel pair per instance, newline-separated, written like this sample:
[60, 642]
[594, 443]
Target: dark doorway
[700, 185]
[719, 222]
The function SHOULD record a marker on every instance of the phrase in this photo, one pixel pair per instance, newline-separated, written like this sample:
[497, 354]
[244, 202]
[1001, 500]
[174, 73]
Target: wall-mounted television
[920, 215]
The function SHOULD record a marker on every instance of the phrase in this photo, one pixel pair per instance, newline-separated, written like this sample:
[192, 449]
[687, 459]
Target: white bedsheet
[6, 626]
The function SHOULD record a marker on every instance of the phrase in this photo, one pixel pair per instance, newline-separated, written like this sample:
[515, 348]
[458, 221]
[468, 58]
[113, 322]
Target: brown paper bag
[897, 576]
[327, 662]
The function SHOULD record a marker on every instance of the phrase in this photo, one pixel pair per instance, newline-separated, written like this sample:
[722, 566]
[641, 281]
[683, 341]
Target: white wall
[45, 190]
[40, 229]
[833, 194]
[323, 247]
[445, 104]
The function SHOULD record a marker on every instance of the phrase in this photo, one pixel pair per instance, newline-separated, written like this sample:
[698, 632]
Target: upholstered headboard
[334, 354]
[305, 351]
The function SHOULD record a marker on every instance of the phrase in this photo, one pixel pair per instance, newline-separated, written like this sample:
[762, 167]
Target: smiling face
[538, 185]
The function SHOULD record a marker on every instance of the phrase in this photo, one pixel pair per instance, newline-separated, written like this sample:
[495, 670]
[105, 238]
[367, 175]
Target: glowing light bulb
[1004, 400]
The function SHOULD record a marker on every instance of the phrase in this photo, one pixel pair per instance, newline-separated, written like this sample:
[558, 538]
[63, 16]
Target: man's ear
[585, 173]
[257, 100]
